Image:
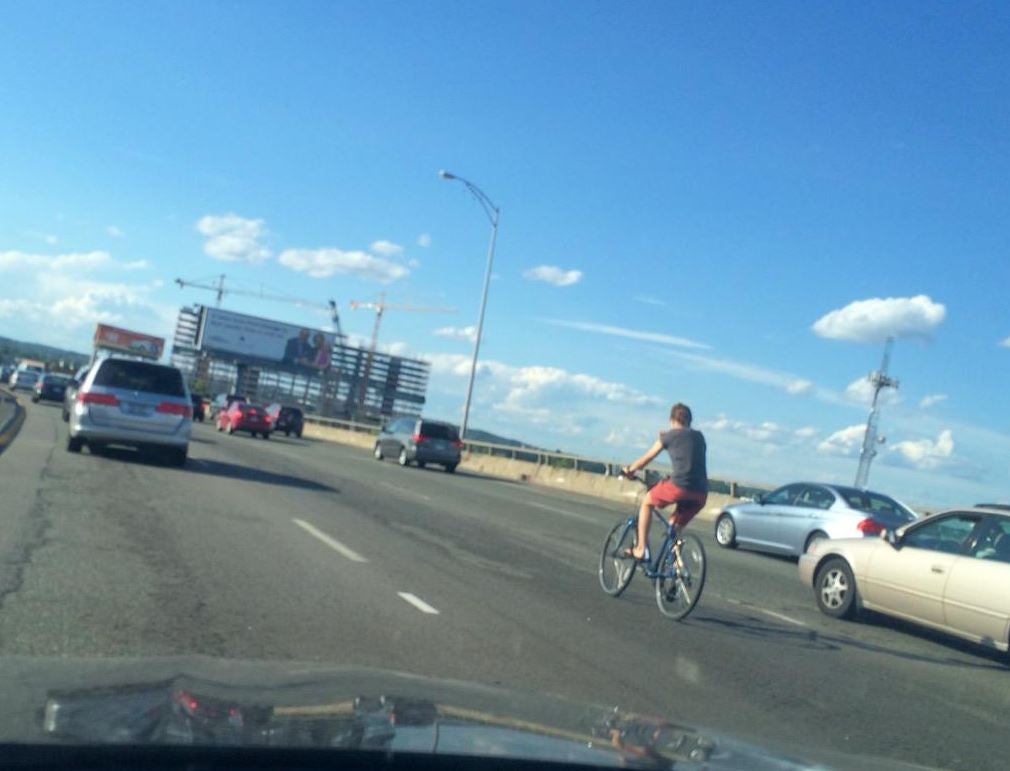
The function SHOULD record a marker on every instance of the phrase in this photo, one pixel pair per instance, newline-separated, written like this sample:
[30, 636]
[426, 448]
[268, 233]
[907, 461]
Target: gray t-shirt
[686, 448]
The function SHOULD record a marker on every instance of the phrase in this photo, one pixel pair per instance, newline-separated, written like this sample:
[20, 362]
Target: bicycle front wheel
[617, 570]
[680, 582]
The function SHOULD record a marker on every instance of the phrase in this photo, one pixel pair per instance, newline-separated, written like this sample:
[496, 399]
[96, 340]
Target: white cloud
[231, 238]
[115, 232]
[845, 442]
[136, 265]
[924, 454]
[385, 248]
[413, 262]
[49, 238]
[766, 432]
[551, 274]
[550, 397]
[633, 334]
[799, 386]
[860, 391]
[323, 263]
[14, 260]
[647, 300]
[876, 319]
[1005, 343]
[461, 333]
[806, 432]
[930, 400]
[424, 240]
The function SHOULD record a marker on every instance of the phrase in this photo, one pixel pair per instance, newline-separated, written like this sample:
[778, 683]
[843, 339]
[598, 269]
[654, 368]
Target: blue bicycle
[678, 567]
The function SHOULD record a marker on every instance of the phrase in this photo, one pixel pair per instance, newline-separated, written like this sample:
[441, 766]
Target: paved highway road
[309, 551]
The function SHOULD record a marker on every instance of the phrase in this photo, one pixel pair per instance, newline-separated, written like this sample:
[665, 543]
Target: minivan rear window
[140, 376]
[439, 431]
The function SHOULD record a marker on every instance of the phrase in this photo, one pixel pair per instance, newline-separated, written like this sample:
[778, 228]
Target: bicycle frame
[651, 567]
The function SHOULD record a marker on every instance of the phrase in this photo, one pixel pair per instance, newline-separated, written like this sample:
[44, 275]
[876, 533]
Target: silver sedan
[789, 520]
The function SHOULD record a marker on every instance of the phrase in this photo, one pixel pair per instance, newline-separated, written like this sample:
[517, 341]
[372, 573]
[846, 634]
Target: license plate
[136, 409]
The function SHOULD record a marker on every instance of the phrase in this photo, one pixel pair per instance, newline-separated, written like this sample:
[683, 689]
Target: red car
[241, 416]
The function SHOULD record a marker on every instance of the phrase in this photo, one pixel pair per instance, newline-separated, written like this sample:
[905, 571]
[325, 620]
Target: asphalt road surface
[308, 551]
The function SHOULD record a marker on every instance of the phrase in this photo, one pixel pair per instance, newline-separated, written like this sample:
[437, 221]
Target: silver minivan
[134, 403]
[413, 440]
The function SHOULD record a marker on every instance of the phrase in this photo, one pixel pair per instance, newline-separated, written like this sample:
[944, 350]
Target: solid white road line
[333, 543]
[418, 603]
[408, 493]
[781, 617]
[564, 512]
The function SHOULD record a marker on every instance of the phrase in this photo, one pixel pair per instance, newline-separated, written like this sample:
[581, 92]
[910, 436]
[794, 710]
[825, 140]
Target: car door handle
[937, 569]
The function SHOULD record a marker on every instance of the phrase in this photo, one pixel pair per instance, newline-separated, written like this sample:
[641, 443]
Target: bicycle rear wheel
[678, 587]
[616, 571]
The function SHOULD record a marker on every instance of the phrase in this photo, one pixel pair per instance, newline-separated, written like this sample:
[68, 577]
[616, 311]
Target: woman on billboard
[323, 351]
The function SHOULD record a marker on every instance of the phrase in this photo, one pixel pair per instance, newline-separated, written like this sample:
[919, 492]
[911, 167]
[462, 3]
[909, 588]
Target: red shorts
[689, 502]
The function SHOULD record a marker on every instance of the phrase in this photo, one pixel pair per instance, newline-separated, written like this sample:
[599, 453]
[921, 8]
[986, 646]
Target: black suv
[288, 419]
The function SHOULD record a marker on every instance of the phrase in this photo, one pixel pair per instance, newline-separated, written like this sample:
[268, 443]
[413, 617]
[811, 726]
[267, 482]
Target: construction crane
[380, 307]
[219, 288]
[880, 380]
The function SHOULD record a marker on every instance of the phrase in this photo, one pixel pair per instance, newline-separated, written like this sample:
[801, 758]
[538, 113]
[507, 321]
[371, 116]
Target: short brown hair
[681, 413]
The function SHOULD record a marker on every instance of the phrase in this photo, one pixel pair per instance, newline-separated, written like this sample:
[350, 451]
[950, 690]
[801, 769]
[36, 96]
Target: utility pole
[880, 380]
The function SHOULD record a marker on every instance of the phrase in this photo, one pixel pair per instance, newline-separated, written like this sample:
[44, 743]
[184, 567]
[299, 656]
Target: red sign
[135, 343]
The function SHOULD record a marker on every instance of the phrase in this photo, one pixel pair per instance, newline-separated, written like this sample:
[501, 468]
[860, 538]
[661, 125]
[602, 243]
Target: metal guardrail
[558, 460]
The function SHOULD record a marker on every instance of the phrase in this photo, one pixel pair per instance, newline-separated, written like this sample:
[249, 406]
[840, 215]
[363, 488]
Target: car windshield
[140, 376]
[439, 362]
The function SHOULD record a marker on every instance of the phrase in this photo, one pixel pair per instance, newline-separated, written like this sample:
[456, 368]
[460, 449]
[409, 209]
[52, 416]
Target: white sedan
[950, 572]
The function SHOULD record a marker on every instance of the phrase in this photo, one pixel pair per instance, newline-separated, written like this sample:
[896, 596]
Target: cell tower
[880, 380]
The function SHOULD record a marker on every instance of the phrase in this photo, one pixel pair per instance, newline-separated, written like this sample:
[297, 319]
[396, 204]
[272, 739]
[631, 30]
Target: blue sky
[717, 177]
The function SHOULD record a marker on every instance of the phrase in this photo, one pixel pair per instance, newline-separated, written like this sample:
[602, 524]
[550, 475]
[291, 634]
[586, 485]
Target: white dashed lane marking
[418, 603]
[333, 543]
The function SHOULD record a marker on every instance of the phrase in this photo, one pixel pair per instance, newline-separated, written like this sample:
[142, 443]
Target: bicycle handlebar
[633, 477]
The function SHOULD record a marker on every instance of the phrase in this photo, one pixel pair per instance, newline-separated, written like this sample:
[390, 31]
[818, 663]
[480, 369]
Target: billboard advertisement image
[135, 343]
[288, 344]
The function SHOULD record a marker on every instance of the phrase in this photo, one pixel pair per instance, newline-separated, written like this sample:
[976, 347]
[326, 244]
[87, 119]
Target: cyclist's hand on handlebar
[627, 473]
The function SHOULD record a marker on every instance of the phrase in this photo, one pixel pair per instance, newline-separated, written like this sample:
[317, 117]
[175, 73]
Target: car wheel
[230, 429]
[299, 433]
[377, 452]
[35, 399]
[402, 459]
[835, 588]
[450, 469]
[66, 416]
[421, 464]
[287, 432]
[177, 456]
[74, 444]
[814, 537]
[725, 531]
[266, 434]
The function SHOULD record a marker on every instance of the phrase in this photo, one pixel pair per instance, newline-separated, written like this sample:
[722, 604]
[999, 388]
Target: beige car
[950, 572]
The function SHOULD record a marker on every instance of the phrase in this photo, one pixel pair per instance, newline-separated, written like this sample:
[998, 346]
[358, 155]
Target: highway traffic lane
[568, 529]
[552, 630]
[723, 662]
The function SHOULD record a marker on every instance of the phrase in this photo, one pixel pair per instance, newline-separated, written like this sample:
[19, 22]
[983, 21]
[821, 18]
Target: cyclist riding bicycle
[687, 486]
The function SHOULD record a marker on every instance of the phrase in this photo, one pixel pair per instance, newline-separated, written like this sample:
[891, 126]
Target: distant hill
[476, 435]
[11, 350]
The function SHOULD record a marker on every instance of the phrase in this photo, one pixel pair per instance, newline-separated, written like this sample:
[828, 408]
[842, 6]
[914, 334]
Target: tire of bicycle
[686, 596]
[621, 571]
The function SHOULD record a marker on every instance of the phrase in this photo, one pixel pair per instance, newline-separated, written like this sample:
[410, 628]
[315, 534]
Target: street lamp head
[445, 174]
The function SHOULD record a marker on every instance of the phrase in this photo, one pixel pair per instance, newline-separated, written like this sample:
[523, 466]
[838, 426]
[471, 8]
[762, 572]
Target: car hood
[204, 701]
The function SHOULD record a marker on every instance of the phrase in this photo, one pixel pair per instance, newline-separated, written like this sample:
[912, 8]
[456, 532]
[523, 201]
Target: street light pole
[492, 213]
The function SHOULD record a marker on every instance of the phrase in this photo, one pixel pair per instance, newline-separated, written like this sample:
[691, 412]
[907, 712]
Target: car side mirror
[891, 537]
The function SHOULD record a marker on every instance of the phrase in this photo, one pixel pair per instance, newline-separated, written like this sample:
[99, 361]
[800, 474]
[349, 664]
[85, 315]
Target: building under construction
[270, 361]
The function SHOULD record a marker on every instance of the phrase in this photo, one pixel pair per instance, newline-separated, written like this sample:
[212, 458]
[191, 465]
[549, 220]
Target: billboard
[293, 346]
[134, 343]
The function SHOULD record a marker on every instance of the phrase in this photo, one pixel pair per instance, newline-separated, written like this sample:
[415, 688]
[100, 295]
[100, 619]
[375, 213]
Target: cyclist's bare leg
[644, 521]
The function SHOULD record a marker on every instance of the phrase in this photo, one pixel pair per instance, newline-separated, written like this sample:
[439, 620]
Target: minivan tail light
[88, 397]
[417, 438]
[172, 408]
[458, 444]
[870, 526]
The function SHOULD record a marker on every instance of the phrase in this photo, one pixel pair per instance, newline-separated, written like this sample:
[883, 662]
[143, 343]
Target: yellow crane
[381, 306]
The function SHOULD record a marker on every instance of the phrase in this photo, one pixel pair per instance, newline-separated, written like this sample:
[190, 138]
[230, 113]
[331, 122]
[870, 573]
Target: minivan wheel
[450, 469]
[402, 459]
[725, 531]
[74, 444]
[377, 452]
[177, 456]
